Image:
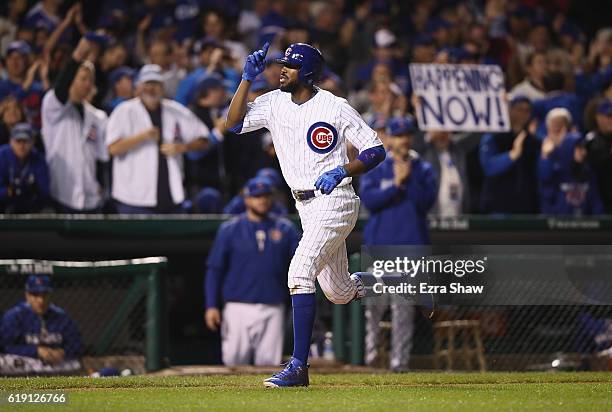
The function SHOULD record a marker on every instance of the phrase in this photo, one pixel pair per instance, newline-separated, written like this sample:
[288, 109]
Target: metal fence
[117, 306]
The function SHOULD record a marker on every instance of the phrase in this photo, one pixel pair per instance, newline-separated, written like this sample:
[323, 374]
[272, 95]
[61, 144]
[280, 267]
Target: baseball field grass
[429, 392]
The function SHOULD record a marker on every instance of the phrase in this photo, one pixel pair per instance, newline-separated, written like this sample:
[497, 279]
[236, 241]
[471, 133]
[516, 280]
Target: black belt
[302, 195]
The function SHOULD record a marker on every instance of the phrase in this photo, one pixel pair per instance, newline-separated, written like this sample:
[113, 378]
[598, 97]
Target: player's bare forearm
[237, 108]
[126, 144]
[355, 168]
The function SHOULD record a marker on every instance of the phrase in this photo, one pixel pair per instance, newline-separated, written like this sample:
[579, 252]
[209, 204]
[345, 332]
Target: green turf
[429, 392]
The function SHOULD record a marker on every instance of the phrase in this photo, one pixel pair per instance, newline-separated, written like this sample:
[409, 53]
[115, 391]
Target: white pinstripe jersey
[309, 139]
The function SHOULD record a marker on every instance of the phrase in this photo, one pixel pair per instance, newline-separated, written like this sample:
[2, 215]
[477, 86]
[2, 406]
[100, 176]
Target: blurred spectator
[271, 178]
[73, 132]
[160, 52]
[384, 50]
[44, 15]
[215, 25]
[147, 137]
[250, 21]
[213, 60]
[121, 82]
[11, 113]
[113, 58]
[208, 200]
[24, 177]
[382, 101]
[600, 151]
[186, 15]
[568, 186]
[448, 157]
[9, 23]
[509, 161]
[22, 79]
[398, 194]
[533, 86]
[556, 96]
[246, 278]
[423, 49]
[38, 336]
[207, 100]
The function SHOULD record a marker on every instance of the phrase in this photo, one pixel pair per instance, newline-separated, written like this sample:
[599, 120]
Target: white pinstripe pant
[326, 220]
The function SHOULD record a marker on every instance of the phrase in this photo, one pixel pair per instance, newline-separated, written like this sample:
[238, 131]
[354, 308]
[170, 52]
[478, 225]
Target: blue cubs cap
[120, 73]
[401, 125]
[150, 73]
[605, 108]
[22, 131]
[39, 284]
[272, 175]
[258, 186]
[19, 46]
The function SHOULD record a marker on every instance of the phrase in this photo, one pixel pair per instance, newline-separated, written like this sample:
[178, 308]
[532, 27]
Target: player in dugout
[247, 277]
[38, 337]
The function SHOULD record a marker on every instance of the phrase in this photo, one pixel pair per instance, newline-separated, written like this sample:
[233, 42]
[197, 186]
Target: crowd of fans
[557, 159]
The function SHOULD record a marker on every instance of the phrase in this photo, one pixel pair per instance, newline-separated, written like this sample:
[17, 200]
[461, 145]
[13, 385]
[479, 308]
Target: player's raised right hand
[255, 63]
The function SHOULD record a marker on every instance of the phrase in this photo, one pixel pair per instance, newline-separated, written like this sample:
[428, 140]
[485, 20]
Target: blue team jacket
[398, 215]
[563, 191]
[249, 261]
[34, 174]
[20, 331]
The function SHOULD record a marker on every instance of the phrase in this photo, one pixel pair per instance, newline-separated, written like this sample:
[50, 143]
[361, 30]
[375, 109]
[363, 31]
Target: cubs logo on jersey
[322, 137]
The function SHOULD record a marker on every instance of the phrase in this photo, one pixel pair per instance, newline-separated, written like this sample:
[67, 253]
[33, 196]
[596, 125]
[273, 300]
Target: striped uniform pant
[326, 220]
[402, 326]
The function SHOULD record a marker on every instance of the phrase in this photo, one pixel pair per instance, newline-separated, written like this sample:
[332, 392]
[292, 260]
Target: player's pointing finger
[265, 48]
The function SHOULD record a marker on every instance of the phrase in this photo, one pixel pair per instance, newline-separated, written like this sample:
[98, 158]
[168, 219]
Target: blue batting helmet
[306, 58]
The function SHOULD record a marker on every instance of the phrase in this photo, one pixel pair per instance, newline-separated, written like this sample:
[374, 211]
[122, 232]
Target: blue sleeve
[217, 266]
[424, 191]
[183, 89]
[373, 197]
[372, 157]
[42, 178]
[72, 339]
[493, 162]
[10, 333]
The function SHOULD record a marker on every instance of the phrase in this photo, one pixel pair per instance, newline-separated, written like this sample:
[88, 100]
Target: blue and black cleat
[294, 374]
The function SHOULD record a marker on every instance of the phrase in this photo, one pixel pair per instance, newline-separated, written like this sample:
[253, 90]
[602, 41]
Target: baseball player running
[310, 128]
